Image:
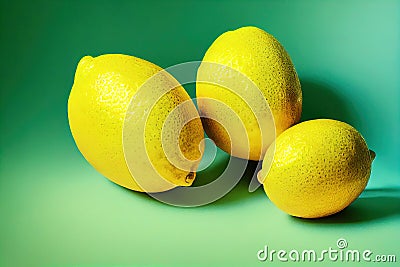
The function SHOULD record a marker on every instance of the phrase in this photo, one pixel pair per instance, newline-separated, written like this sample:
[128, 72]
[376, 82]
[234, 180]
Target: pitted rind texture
[319, 168]
[259, 56]
[97, 105]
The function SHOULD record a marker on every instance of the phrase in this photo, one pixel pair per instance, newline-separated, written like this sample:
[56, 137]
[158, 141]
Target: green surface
[57, 210]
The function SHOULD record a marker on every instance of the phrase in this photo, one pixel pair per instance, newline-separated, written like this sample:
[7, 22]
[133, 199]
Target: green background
[57, 210]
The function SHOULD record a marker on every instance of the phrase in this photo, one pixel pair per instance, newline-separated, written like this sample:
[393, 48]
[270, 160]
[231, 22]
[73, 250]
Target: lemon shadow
[240, 193]
[204, 177]
[373, 204]
[321, 100]
[214, 170]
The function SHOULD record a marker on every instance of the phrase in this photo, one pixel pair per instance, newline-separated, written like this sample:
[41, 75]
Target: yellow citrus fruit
[260, 58]
[318, 169]
[103, 89]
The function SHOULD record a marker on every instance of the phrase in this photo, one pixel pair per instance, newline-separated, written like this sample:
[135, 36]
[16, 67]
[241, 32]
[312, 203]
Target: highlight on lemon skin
[103, 90]
[319, 168]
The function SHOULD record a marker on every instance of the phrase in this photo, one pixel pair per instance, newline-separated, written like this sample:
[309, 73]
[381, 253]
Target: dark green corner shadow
[324, 101]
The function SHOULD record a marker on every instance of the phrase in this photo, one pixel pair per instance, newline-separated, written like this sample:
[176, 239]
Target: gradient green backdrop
[57, 210]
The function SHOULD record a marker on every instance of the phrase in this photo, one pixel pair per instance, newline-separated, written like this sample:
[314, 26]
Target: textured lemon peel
[260, 57]
[317, 184]
[102, 91]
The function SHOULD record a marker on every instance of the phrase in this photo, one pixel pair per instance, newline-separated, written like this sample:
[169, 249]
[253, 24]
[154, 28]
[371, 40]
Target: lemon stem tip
[372, 154]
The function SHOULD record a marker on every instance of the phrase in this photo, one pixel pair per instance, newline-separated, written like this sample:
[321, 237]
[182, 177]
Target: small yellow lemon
[318, 169]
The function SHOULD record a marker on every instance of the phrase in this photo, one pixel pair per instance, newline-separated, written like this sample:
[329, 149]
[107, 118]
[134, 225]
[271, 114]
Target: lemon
[103, 89]
[318, 169]
[243, 55]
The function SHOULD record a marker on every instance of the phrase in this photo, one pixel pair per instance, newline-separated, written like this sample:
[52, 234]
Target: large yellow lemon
[103, 89]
